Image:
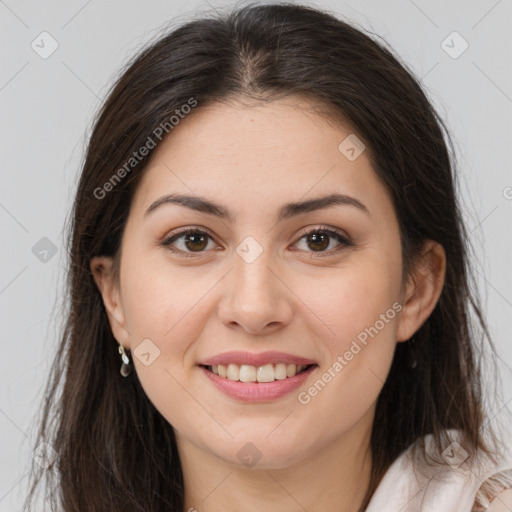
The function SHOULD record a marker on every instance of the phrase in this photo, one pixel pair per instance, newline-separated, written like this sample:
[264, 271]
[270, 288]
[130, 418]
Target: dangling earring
[125, 367]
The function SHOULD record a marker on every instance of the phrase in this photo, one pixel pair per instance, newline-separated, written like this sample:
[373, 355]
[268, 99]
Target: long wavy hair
[115, 451]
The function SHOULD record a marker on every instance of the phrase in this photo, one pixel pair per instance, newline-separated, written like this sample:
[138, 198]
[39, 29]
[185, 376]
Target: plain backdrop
[47, 103]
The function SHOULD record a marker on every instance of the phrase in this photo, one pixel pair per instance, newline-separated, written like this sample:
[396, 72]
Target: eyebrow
[204, 205]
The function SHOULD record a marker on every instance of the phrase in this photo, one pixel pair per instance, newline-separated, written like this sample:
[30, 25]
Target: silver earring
[125, 367]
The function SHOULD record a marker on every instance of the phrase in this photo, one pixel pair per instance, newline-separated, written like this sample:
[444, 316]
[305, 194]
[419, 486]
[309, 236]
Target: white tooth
[291, 370]
[280, 371]
[247, 373]
[266, 373]
[233, 372]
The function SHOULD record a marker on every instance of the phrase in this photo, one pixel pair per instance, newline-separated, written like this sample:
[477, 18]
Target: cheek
[160, 299]
[359, 311]
[165, 313]
[356, 302]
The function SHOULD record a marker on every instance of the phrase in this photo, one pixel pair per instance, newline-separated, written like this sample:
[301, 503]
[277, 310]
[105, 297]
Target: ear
[102, 268]
[423, 289]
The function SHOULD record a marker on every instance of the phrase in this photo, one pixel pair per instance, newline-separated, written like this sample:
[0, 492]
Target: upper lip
[260, 359]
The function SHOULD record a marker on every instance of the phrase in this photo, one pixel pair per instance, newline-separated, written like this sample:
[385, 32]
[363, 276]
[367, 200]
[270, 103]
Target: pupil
[194, 238]
[315, 237]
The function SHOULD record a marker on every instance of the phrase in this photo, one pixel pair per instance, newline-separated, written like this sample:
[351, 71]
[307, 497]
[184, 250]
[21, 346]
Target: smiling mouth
[259, 374]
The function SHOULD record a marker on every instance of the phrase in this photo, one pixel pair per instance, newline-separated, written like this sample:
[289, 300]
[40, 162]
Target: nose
[255, 298]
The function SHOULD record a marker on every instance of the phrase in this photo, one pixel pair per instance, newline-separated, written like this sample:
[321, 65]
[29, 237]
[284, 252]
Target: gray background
[47, 107]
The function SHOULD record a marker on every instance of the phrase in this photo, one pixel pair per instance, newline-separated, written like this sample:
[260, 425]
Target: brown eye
[196, 241]
[193, 240]
[319, 239]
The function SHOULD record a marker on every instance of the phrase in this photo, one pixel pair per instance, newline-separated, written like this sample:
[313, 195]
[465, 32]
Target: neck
[335, 477]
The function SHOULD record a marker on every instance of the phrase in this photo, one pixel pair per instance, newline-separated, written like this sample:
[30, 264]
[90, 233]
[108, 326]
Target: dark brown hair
[115, 451]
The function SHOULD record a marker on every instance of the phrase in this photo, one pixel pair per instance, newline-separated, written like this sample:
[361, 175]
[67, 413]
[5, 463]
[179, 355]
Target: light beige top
[448, 484]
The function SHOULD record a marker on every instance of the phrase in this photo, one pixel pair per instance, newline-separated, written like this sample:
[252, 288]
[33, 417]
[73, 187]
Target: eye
[195, 240]
[319, 239]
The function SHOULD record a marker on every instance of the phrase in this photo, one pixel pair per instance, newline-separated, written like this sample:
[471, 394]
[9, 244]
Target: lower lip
[258, 391]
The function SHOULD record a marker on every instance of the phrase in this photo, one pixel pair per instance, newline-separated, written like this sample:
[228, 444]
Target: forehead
[245, 152]
[291, 127]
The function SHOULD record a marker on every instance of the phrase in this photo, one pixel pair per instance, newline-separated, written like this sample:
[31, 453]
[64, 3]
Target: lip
[258, 391]
[261, 359]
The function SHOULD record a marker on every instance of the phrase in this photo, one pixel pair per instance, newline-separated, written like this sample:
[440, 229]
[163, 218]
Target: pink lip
[258, 391]
[261, 359]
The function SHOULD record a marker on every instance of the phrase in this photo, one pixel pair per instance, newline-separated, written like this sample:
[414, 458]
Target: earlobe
[103, 273]
[423, 289]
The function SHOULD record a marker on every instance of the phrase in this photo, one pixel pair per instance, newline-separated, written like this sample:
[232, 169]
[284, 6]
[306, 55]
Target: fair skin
[252, 159]
[502, 502]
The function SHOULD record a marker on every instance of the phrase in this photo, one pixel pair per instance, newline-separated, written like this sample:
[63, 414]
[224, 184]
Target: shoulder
[445, 482]
[495, 493]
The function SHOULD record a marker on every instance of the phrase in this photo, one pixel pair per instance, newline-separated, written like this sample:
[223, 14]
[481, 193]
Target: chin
[253, 452]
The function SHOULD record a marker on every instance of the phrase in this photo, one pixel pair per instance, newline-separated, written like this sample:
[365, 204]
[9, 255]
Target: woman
[266, 237]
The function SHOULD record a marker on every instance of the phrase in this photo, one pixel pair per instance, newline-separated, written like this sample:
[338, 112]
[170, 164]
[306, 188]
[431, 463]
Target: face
[316, 286]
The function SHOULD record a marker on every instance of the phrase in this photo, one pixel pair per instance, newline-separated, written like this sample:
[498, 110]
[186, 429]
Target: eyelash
[333, 233]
